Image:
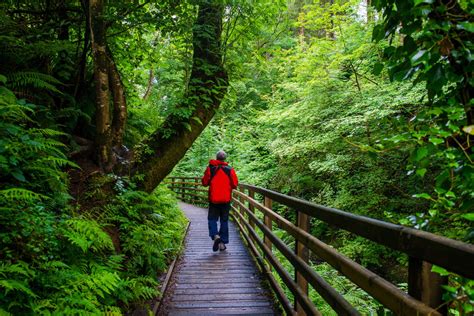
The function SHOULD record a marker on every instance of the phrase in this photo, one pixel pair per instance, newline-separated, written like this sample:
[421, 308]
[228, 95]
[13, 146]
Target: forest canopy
[365, 106]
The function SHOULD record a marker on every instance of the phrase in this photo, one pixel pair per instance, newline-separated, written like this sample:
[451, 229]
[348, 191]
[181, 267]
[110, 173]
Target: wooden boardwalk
[207, 282]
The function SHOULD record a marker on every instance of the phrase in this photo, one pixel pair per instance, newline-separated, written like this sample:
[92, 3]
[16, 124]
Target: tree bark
[99, 55]
[207, 87]
[119, 118]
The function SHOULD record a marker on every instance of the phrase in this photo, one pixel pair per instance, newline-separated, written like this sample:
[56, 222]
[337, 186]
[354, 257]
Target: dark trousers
[219, 212]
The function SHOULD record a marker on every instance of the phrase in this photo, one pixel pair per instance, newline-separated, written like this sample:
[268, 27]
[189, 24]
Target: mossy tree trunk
[103, 141]
[119, 117]
[111, 105]
[207, 87]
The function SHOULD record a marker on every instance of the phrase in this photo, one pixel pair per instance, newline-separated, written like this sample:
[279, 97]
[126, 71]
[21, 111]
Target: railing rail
[423, 249]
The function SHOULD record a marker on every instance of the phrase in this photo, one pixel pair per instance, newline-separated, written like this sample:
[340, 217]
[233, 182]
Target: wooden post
[268, 222]
[303, 222]
[171, 185]
[241, 211]
[251, 208]
[425, 285]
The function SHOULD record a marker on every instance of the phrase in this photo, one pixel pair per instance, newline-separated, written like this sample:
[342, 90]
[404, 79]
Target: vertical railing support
[251, 208]
[425, 285]
[183, 195]
[303, 222]
[268, 222]
[241, 210]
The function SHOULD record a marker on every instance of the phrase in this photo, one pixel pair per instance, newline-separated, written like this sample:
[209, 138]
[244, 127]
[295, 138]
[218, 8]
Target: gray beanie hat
[221, 155]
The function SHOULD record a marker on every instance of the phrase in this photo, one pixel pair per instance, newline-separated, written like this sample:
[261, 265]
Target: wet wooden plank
[218, 297]
[233, 290]
[212, 285]
[227, 311]
[207, 282]
[221, 304]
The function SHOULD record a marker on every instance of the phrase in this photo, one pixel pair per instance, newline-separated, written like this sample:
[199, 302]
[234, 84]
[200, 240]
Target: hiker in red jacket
[221, 179]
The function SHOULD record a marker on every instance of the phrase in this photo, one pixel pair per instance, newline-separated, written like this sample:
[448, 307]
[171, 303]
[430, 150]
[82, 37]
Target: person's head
[221, 155]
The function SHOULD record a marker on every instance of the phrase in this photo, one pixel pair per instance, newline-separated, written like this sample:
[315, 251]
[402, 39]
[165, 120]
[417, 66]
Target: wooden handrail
[188, 188]
[336, 300]
[185, 183]
[453, 255]
[284, 301]
[385, 292]
[416, 243]
[285, 276]
[185, 177]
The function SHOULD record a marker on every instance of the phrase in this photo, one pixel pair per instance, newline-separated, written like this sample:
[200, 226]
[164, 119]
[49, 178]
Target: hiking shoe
[222, 246]
[217, 241]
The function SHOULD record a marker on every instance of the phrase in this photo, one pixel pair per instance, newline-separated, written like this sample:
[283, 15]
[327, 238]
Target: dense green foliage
[72, 241]
[55, 258]
[314, 113]
[365, 109]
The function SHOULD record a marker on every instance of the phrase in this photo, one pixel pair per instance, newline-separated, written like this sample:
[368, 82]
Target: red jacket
[223, 181]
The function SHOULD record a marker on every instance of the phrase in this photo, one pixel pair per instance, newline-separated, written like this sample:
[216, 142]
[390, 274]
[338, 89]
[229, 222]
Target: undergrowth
[57, 258]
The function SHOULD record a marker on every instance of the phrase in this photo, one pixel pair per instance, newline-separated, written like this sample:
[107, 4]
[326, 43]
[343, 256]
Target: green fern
[14, 112]
[46, 132]
[102, 282]
[88, 234]
[53, 265]
[13, 277]
[139, 288]
[76, 270]
[30, 79]
[20, 268]
[112, 311]
[15, 285]
[19, 194]
[73, 113]
[58, 162]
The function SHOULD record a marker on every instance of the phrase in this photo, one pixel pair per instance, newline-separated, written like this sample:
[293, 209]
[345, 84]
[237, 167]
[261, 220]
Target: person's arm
[233, 176]
[207, 177]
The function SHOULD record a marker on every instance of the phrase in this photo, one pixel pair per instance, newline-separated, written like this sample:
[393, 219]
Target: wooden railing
[423, 249]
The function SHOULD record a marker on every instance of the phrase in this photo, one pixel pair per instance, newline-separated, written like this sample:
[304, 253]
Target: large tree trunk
[99, 54]
[119, 117]
[207, 87]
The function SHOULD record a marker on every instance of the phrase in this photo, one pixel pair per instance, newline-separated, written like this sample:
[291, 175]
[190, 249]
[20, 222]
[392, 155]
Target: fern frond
[16, 285]
[134, 196]
[14, 112]
[42, 171]
[112, 311]
[55, 264]
[88, 234]
[18, 194]
[12, 278]
[39, 145]
[20, 268]
[31, 79]
[46, 132]
[60, 162]
[72, 112]
[103, 282]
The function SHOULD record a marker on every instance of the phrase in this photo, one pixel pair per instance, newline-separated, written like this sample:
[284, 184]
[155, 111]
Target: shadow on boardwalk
[207, 282]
